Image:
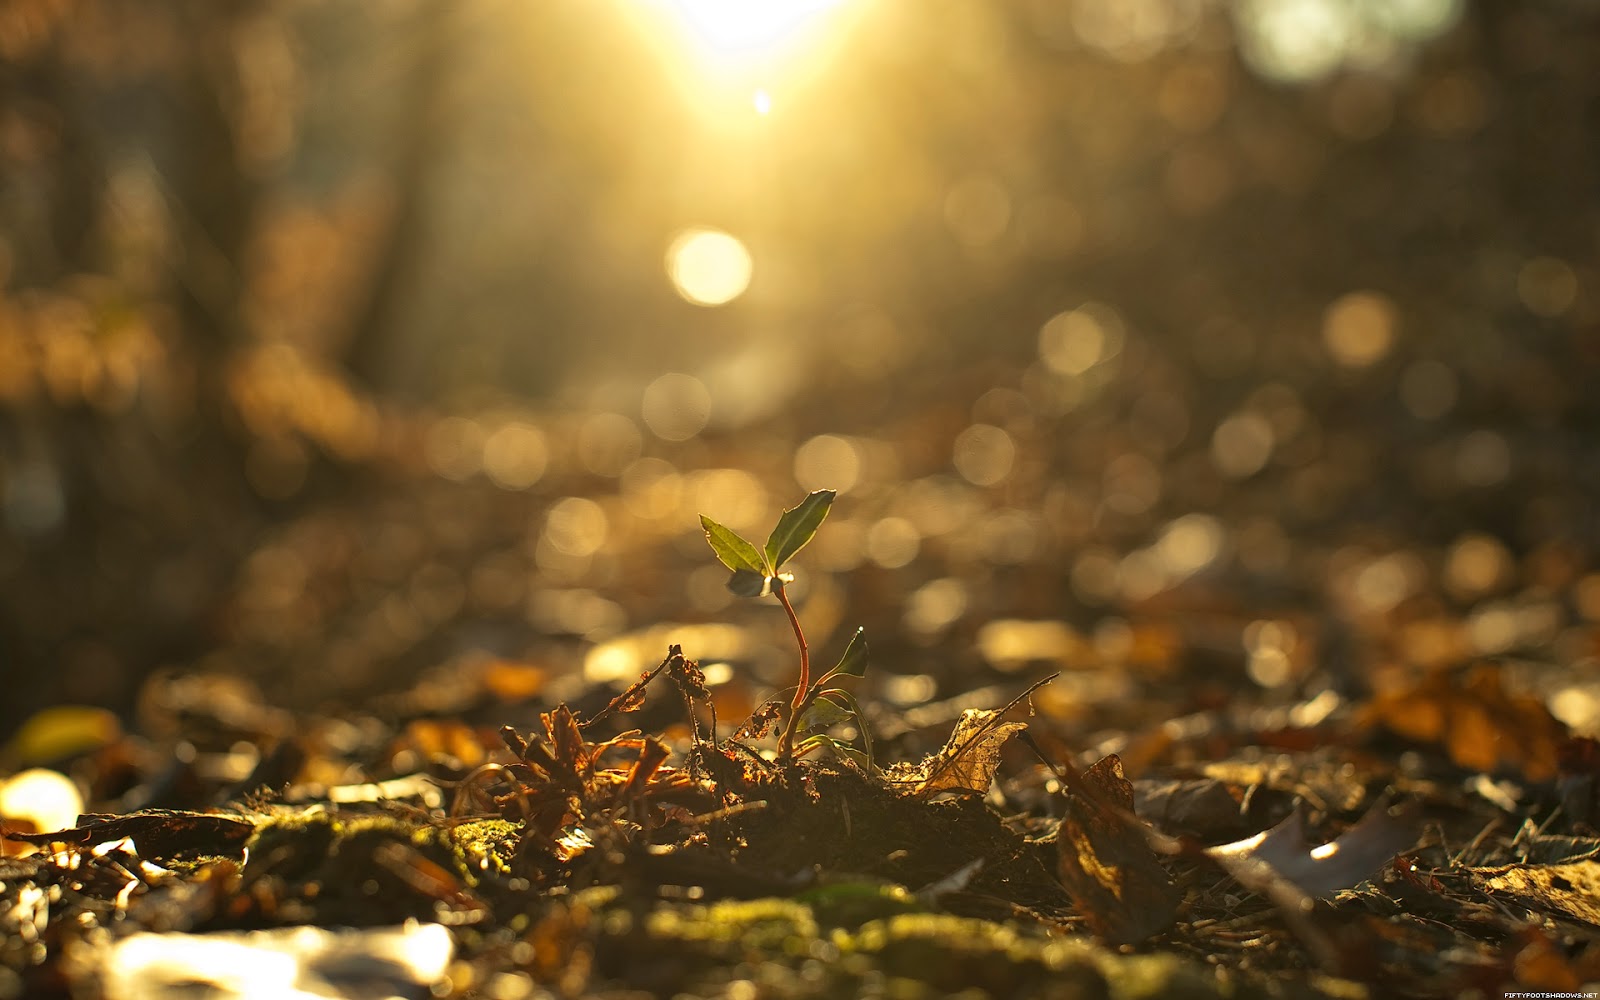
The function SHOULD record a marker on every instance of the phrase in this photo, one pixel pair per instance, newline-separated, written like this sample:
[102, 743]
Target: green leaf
[735, 552]
[842, 697]
[843, 750]
[825, 713]
[831, 707]
[797, 526]
[854, 661]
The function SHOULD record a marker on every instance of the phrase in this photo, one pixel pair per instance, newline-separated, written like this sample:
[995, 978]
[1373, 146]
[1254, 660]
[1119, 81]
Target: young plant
[759, 572]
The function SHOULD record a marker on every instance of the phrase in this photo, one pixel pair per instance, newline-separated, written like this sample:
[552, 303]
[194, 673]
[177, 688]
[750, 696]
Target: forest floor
[1333, 769]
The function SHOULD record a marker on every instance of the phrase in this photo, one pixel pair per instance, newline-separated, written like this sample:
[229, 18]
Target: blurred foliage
[336, 342]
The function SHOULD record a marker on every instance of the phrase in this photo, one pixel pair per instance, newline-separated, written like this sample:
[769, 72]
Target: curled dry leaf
[686, 673]
[632, 699]
[1284, 853]
[1106, 863]
[968, 761]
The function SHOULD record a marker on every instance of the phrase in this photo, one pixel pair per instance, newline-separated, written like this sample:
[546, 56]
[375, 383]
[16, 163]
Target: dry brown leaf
[1321, 870]
[968, 761]
[1200, 807]
[691, 680]
[632, 699]
[1571, 890]
[1106, 864]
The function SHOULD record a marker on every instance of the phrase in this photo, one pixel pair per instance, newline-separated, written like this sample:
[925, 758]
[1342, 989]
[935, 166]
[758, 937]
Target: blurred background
[1195, 345]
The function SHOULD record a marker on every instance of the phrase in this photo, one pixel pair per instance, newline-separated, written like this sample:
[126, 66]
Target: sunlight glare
[734, 59]
[737, 27]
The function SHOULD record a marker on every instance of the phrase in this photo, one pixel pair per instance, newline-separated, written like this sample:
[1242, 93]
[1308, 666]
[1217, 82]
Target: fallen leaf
[1319, 870]
[1572, 890]
[1106, 863]
[968, 761]
[1201, 807]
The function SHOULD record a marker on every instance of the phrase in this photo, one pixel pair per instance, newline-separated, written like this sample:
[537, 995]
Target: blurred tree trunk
[367, 351]
[215, 197]
[155, 509]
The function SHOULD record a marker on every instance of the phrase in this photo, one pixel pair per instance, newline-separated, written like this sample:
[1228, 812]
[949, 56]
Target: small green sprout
[757, 573]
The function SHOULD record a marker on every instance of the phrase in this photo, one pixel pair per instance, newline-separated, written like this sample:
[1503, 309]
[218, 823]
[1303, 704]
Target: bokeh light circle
[709, 267]
[676, 406]
[1358, 329]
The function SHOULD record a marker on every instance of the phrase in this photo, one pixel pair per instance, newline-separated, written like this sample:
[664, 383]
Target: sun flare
[737, 61]
[734, 28]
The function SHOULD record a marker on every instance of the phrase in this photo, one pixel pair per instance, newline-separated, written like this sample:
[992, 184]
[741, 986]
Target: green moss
[803, 948]
[760, 926]
[938, 948]
[1135, 977]
[851, 904]
[481, 846]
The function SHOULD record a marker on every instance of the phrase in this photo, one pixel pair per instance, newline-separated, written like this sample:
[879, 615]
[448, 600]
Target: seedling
[759, 572]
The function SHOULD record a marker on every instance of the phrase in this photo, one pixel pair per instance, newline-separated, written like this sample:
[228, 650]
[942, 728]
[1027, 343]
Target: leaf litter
[568, 803]
[1259, 835]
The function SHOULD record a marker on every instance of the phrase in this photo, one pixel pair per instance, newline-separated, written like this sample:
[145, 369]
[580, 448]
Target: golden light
[1358, 329]
[736, 28]
[733, 59]
[708, 267]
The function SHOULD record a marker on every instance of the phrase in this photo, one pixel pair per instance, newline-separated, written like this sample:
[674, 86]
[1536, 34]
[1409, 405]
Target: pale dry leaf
[968, 761]
[1572, 890]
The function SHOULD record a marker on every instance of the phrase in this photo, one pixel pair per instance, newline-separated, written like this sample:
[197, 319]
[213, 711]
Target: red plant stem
[805, 651]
